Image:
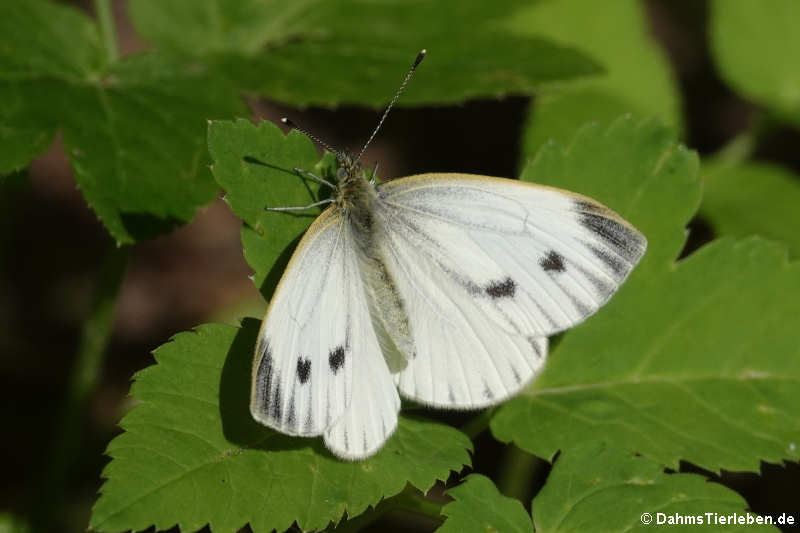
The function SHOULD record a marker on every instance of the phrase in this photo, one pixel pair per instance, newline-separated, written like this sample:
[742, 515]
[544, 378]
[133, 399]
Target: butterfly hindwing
[371, 416]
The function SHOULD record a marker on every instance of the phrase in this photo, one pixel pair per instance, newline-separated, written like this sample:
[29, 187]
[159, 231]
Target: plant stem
[108, 31]
[68, 435]
[412, 501]
[737, 150]
[517, 472]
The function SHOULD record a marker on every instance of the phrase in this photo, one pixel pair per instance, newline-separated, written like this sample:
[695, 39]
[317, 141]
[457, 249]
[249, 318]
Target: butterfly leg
[299, 208]
[316, 178]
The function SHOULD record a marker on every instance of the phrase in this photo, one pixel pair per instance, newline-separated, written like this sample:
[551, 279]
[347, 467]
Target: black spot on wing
[611, 260]
[263, 346]
[583, 309]
[450, 395]
[487, 392]
[277, 404]
[625, 241]
[303, 369]
[552, 262]
[517, 377]
[495, 289]
[264, 375]
[603, 227]
[535, 345]
[583, 206]
[545, 314]
[502, 289]
[309, 420]
[603, 288]
[291, 420]
[472, 288]
[336, 358]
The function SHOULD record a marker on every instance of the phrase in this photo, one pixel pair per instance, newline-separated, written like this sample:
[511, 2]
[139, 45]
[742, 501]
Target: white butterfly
[443, 287]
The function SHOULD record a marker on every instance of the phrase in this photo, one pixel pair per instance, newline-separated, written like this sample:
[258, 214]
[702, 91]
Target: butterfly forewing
[535, 260]
[303, 364]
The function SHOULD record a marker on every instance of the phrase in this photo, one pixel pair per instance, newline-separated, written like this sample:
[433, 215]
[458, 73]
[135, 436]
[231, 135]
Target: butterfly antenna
[311, 136]
[417, 61]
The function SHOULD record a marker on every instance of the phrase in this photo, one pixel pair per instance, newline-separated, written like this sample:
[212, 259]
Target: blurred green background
[660, 59]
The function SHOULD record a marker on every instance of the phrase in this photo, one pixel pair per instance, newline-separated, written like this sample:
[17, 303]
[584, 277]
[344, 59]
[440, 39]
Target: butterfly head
[354, 187]
[349, 168]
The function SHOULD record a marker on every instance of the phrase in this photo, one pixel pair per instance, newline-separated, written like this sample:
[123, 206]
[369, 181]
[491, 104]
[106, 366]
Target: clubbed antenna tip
[310, 136]
[420, 57]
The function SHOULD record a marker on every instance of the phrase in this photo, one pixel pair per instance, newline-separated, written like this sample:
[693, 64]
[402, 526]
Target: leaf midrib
[599, 385]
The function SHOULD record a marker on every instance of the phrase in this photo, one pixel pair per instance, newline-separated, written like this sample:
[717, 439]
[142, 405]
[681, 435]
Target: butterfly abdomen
[387, 308]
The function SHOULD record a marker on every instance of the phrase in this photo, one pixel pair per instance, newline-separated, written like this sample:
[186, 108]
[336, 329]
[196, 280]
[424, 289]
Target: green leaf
[138, 147]
[39, 44]
[696, 360]
[595, 487]
[209, 26]
[25, 129]
[191, 454]
[134, 131]
[637, 168]
[479, 506]
[358, 50]
[637, 79]
[254, 164]
[753, 199]
[43, 39]
[367, 72]
[756, 45]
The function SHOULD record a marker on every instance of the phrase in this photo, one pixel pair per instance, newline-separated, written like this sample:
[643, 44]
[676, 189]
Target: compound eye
[341, 173]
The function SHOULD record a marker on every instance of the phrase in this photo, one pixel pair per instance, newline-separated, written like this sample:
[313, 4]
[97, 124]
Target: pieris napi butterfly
[440, 287]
